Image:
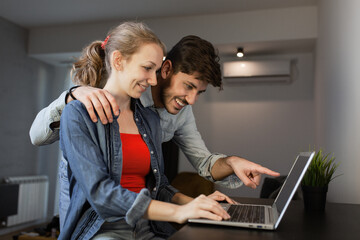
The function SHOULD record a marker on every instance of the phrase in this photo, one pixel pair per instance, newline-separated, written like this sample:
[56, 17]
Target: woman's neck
[126, 118]
[122, 98]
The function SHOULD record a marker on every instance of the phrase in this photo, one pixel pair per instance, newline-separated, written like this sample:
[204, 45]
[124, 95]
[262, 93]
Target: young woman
[116, 170]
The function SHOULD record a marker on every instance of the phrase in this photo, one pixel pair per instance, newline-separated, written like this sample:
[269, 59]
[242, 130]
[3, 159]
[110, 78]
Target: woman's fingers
[211, 206]
[209, 215]
[218, 196]
[202, 207]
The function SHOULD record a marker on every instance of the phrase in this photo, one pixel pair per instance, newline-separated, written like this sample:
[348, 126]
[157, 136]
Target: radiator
[33, 197]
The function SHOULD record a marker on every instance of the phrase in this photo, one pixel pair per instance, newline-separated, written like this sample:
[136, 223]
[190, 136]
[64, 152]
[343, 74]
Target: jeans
[121, 230]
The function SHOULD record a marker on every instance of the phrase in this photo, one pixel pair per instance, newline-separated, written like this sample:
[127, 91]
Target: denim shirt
[94, 154]
[181, 127]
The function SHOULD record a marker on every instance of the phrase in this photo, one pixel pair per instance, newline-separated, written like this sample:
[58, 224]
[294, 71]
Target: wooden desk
[339, 221]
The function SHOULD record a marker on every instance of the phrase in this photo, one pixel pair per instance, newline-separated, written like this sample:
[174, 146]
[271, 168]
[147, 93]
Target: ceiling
[31, 14]
[38, 13]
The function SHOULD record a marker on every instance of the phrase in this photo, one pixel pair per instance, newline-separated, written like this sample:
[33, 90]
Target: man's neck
[156, 96]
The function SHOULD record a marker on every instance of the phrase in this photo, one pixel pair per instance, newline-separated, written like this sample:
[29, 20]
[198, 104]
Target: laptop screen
[295, 176]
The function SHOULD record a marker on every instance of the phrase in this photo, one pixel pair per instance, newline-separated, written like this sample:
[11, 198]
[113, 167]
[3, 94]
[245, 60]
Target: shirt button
[154, 189]
[144, 135]
[155, 170]
[152, 152]
[136, 119]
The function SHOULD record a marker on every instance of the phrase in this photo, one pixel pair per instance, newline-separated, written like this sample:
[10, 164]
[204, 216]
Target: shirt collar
[134, 104]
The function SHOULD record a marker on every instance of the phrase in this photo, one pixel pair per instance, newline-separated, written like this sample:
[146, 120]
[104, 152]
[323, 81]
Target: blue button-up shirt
[94, 154]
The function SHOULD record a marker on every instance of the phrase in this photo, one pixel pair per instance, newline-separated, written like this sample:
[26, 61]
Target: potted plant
[316, 180]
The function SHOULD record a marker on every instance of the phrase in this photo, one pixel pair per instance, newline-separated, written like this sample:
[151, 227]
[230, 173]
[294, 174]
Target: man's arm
[99, 101]
[224, 170]
[249, 172]
[45, 128]
[188, 138]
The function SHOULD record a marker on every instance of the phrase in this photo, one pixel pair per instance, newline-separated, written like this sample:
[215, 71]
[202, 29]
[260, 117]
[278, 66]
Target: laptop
[266, 216]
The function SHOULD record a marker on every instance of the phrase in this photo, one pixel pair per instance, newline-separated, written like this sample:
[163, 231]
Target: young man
[189, 67]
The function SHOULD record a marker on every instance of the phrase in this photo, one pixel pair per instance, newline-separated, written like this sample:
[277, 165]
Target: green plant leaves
[321, 170]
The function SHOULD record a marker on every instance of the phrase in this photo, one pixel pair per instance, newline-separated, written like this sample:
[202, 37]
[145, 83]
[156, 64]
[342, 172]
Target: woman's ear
[166, 69]
[116, 60]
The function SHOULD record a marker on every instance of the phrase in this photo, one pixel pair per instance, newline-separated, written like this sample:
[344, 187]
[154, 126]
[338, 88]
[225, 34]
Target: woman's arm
[200, 207]
[181, 199]
[82, 147]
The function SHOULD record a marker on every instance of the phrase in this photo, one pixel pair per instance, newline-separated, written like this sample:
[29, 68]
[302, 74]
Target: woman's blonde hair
[93, 67]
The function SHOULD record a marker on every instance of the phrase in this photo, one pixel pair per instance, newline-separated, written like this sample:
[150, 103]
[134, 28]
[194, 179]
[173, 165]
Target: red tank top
[136, 162]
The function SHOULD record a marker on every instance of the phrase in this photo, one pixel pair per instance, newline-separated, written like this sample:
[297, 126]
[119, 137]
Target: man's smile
[180, 102]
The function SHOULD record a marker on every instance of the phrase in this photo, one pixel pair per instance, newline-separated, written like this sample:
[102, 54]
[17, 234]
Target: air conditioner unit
[257, 71]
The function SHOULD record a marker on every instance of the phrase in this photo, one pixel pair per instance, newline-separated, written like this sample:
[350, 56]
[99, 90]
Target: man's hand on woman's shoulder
[97, 100]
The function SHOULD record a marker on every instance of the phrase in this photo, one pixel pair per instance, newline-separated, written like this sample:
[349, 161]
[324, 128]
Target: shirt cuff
[231, 181]
[167, 193]
[139, 207]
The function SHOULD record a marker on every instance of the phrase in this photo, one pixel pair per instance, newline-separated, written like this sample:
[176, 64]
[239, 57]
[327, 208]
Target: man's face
[179, 90]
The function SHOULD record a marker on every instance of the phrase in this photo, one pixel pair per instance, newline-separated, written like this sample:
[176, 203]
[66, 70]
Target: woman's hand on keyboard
[220, 197]
[201, 207]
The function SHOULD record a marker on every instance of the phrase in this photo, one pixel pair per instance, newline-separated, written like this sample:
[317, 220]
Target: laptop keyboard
[246, 213]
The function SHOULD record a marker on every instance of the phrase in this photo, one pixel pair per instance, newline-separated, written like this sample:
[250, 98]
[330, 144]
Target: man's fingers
[102, 107]
[112, 101]
[99, 109]
[99, 101]
[255, 178]
[105, 104]
[90, 108]
[263, 170]
[249, 172]
[246, 180]
[270, 172]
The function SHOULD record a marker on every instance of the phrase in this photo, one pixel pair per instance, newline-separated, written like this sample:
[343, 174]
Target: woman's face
[139, 71]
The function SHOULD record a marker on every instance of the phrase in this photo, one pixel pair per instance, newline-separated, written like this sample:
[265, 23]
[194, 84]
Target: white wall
[51, 86]
[337, 91]
[20, 77]
[27, 85]
[244, 27]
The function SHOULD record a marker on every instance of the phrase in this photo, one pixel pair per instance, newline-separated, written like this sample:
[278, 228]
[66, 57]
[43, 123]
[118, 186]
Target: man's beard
[163, 97]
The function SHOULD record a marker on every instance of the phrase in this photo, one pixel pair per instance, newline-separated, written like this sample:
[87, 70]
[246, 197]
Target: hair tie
[105, 42]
